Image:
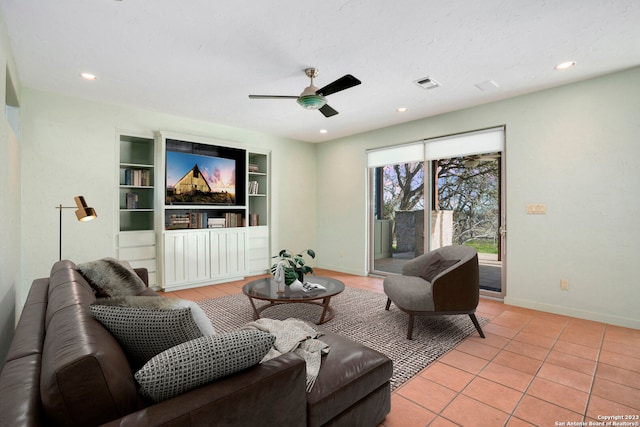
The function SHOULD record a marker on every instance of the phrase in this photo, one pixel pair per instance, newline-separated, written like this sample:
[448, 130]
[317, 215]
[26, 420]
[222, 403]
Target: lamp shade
[312, 102]
[84, 212]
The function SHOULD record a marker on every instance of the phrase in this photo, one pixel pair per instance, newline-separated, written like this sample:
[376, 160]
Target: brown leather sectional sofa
[64, 368]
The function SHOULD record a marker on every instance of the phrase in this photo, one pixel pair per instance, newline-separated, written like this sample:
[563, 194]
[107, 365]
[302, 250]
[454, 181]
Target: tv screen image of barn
[200, 180]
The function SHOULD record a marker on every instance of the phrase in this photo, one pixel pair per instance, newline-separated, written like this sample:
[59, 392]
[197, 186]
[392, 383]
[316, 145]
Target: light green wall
[9, 205]
[69, 148]
[574, 148]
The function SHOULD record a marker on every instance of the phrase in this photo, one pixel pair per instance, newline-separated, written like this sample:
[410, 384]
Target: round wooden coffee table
[266, 289]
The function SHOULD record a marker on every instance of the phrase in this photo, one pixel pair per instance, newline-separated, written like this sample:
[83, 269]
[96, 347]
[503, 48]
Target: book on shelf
[233, 219]
[216, 222]
[198, 220]
[131, 201]
[178, 221]
[254, 219]
[253, 167]
[137, 177]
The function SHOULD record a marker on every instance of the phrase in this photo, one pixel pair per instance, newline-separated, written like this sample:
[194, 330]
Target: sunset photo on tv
[199, 180]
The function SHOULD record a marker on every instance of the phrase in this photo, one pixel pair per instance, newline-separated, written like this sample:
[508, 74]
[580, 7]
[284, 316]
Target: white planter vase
[296, 286]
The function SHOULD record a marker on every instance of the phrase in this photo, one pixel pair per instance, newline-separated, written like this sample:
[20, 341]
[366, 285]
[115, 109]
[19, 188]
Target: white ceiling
[201, 58]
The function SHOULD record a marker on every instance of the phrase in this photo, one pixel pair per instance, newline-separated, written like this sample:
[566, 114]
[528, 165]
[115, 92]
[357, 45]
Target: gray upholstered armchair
[443, 281]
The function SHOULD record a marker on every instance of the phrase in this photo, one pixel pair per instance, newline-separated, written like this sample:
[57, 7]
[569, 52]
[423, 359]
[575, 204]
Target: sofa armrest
[143, 273]
[271, 393]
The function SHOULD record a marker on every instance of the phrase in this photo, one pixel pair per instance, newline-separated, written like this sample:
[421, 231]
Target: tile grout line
[475, 376]
[535, 375]
[595, 371]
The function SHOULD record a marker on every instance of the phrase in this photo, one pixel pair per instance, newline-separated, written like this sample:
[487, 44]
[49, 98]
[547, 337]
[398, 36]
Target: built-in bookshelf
[214, 222]
[259, 247]
[136, 183]
[258, 189]
[136, 241]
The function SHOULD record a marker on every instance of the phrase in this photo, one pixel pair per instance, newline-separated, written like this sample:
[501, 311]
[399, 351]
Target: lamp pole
[60, 207]
[83, 213]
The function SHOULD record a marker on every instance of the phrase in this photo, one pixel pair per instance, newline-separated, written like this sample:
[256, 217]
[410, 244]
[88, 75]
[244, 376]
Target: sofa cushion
[155, 302]
[144, 332]
[110, 277]
[200, 361]
[348, 374]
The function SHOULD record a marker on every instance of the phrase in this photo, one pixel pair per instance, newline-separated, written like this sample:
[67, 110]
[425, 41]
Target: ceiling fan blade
[328, 111]
[272, 97]
[344, 82]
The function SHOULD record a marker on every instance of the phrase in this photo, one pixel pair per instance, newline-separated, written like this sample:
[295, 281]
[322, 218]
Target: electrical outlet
[564, 284]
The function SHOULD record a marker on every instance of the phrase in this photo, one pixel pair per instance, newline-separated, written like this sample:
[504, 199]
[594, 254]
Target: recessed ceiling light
[88, 76]
[565, 65]
[402, 109]
[323, 131]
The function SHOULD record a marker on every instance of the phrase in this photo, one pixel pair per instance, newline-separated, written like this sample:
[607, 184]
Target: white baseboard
[574, 312]
[342, 270]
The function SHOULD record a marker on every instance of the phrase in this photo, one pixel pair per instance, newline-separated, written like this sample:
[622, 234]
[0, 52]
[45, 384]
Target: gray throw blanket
[296, 336]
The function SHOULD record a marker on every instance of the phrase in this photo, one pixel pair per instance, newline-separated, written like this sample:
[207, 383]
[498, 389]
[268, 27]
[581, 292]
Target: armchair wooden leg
[410, 327]
[474, 319]
[388, 304]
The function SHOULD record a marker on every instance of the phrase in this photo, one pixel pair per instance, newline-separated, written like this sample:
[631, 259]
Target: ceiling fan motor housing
[310, 100]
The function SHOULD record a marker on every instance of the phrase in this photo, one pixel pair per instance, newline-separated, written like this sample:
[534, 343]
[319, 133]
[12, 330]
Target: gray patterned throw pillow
[157, 302]
[144, 332]
[200, 361]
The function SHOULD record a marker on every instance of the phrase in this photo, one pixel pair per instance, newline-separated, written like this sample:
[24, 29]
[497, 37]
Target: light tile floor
[533, 369]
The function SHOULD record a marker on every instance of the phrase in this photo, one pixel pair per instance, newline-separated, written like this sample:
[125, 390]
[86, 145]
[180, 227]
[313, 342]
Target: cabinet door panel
[198, 256]
[219, 265]
[175, 258]
[236, 247]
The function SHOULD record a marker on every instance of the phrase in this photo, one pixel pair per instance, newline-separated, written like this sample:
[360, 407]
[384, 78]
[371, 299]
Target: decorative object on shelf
[294, 266]
[83, 213]
[253, 187]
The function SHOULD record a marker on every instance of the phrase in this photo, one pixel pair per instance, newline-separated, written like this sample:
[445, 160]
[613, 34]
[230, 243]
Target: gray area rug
[360, 315]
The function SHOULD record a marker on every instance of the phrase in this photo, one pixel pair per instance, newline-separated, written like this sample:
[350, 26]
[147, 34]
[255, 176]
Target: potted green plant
[294, 266]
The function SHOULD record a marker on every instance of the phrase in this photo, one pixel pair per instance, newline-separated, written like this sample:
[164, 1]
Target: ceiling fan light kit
[313, 98]
[312, 102]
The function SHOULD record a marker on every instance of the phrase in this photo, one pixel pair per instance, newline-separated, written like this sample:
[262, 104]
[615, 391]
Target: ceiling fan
[476, 159]
[313, 98]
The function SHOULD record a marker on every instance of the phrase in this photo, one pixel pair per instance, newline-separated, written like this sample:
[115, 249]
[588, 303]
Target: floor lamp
[83, 212]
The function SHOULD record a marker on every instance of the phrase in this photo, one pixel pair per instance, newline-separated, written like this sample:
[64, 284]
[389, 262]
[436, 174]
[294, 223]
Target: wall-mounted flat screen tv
[200, 174]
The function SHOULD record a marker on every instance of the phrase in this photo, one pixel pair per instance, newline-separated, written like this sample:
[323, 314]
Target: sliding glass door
[398, 222]
[463, 202]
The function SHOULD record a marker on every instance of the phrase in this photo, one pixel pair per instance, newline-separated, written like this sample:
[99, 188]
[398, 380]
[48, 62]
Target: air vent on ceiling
[427, 83]
[487, 85]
